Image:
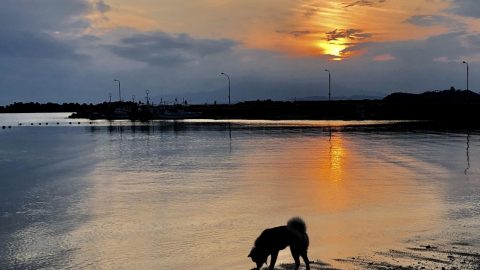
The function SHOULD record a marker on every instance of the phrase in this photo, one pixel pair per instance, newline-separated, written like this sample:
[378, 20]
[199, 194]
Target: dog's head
[258, 256]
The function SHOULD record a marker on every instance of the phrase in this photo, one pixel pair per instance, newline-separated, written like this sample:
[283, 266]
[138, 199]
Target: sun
[334, 48]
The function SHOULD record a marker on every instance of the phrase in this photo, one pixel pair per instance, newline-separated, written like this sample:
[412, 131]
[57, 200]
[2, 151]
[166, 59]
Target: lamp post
[228, 77]
[329, 83]
[119, 92]
[147, 92]
[465, 62]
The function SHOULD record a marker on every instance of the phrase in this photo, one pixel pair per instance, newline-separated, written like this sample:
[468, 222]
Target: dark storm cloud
[364, 3]
[354, 34]
[163, 49]
[469, 8]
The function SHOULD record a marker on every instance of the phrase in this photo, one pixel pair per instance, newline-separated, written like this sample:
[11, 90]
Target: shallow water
[196, 194]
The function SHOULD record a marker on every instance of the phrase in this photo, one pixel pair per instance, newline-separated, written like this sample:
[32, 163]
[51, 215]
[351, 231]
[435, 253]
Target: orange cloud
[383, 57]
[333, 29]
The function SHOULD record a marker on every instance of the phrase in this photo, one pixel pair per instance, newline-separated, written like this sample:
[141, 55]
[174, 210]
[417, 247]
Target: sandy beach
[453, 256]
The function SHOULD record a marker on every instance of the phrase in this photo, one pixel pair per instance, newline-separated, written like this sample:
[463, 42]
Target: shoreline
[455, 106]
[459, 255]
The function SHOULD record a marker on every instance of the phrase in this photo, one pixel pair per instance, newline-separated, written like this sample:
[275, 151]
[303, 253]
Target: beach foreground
[453, 256]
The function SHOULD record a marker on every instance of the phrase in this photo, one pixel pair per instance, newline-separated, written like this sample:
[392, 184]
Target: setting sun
[161, 134]
[333, 48]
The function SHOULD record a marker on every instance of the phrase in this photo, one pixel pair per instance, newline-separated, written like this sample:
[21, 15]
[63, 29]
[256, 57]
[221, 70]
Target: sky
[72, 51]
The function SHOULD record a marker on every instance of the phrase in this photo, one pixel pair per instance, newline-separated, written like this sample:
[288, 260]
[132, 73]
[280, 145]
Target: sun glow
[334, 48]
[337, 156]
[343, 29]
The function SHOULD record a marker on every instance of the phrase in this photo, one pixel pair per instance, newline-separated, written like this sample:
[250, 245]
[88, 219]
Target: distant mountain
[219, 96]
[444, 96]
[354, 97]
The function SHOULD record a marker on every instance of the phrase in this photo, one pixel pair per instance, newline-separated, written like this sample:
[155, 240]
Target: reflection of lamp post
[465, 62]
[119, 93]
[329, 83]
[468, 153]
[228, 77]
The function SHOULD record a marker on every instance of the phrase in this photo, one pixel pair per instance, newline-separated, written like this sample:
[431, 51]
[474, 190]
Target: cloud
[309, 12]
[418, 52]
[102, 7]
[433, 20]
[34, 29]
[41, 42]
[40, 48]
[364, 3]
[383, 57]
[473, 40]
[443, 59]
[298, 33]
[19, 44]
[353, 34]
[45, 15]
[469, 8]
[163, 49]
[311, 8]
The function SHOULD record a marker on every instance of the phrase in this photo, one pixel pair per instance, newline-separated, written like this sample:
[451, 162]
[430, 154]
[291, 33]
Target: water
[196, 194]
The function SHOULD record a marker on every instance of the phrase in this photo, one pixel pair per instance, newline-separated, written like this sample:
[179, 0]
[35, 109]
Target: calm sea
[196, 194]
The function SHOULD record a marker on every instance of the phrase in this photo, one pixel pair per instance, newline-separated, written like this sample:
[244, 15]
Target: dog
[272, 240]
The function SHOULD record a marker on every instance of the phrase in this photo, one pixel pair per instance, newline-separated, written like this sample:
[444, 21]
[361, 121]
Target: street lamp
[119, 93]
[228, 77]
[329, 83]
[465, 62]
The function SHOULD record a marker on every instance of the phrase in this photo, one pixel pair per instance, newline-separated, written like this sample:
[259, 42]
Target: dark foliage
[455, 106]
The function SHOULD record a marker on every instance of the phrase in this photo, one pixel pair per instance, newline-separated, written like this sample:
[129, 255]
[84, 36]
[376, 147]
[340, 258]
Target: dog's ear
[251, 251]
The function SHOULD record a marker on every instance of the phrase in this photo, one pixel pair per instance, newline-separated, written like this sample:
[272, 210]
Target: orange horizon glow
[296, 28]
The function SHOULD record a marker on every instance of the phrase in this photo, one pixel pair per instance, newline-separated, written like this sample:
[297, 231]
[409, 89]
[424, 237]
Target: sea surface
[195, 194]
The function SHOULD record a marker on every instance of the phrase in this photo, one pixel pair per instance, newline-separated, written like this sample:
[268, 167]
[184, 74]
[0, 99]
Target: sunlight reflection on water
[196, 195]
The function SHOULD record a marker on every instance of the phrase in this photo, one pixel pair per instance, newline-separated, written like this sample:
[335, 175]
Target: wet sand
[446, 257]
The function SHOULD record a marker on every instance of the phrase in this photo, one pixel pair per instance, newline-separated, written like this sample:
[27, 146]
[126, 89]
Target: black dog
[271, 241]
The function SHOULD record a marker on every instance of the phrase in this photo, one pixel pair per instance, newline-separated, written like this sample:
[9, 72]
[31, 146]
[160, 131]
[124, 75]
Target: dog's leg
[296, 257]
[305, 259]
[273, 259]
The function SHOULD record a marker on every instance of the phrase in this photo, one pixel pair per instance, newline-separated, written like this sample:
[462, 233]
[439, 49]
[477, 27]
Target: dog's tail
[296, 224]
[298, 227]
